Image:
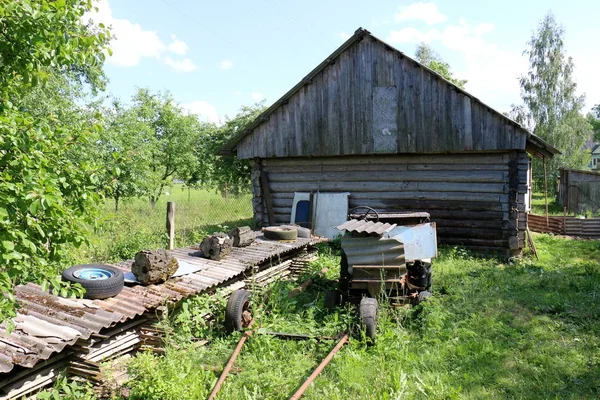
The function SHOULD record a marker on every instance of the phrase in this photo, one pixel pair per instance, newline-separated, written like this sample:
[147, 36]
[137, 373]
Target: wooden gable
[369, 98]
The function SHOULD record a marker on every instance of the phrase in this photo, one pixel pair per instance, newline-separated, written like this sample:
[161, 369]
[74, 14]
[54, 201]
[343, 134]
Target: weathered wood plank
[482, 158]
[392, 177]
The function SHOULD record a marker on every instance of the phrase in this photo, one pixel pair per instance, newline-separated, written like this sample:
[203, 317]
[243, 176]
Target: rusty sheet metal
[46, 324]
[372, 251]
[364, 226]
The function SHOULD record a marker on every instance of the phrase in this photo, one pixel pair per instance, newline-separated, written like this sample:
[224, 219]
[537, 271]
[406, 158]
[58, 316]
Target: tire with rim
[367, 311]
[280, 233]
[99, 281]
[238, 309]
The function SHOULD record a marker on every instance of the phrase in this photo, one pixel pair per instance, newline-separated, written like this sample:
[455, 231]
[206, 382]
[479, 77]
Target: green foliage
[173, 138]
[124, 148]
[227, 173]
[429, 58]
[593, 118]
[523, 329]
[46, 197]
[552, 108]
[117, 236]
[67, 390]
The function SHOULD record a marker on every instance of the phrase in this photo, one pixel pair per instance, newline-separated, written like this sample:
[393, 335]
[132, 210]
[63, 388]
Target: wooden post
[266, 193]
[546, 192]
[171, 224]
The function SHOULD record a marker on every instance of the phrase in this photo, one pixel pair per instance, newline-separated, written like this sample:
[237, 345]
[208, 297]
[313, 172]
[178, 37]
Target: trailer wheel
[237, 314]
[332, 300]
[368, 316]
[99, 281]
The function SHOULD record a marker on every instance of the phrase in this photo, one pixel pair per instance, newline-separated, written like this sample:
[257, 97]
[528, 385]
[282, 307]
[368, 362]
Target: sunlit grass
[494, 329]
[135, 226]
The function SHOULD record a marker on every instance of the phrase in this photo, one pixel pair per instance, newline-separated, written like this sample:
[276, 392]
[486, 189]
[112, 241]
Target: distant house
[396, 136]
[595, 160]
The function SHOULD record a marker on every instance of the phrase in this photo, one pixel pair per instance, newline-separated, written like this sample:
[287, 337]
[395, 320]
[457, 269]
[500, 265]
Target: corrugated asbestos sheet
[46, 324]
[370, 227]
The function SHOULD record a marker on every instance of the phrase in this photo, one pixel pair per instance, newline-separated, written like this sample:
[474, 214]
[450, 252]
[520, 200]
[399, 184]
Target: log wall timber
[375, 100]
[476, 199]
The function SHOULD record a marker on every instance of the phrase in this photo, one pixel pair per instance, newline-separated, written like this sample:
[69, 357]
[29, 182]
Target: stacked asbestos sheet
[55, 334]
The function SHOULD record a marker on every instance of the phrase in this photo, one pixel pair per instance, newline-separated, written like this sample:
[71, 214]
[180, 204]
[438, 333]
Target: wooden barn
[398, 137]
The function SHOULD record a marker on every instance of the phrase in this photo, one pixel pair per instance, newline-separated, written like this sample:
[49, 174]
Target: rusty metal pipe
[230, 363]
[320, 368]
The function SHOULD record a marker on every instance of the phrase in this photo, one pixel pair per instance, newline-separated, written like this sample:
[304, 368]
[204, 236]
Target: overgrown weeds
[524, 329]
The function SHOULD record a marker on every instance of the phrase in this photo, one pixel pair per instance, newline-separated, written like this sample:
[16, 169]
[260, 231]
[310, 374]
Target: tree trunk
[242, 236]
[216, 246]
[116, 203]
[151, 267]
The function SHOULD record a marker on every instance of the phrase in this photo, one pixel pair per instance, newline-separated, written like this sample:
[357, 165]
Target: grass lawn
[136, 226]
[528, 329]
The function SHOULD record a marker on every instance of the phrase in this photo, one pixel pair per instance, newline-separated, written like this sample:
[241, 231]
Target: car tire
[368, 316]
[99, 281]
[280, 233]
[237, 305]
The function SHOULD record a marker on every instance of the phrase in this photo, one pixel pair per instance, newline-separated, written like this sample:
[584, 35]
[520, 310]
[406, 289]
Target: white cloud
[257, 96]
[131, 43]
[344, 35]
[412, 35]
[185, 65]
[425, 12]
[226, 64]
[203, 109]
[490, 70]
[178, 46]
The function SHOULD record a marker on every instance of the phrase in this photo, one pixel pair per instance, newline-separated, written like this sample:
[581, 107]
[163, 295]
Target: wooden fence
[579, 191]
[570, 226]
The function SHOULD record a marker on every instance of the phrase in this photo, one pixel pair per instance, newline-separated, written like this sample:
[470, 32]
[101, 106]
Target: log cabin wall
[476, 199]
[373, 122]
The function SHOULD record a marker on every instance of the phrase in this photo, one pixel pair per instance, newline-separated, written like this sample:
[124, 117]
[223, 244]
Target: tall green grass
[118, 235]
[525, 329]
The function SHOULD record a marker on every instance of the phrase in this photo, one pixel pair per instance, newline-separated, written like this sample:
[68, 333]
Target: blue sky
[215, 56]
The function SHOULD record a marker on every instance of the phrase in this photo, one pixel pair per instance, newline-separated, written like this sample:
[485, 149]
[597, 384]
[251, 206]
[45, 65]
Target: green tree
[429, 58]
[172, 142]
[123, 149]
[593, 118]
[552, 108]
[228, 174]
[46, 198]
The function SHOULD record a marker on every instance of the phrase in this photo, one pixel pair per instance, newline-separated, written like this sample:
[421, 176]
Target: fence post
[171, 223]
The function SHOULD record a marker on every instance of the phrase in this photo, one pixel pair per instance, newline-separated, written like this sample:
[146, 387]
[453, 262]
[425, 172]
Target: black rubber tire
[280, 233]
[423, 296]
[97, 289]
[367, 312]
[302, 232]
[238, 302]
[332, 300]
[344, 274]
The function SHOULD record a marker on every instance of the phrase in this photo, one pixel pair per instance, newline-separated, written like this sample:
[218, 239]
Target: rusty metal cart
[384, 253]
